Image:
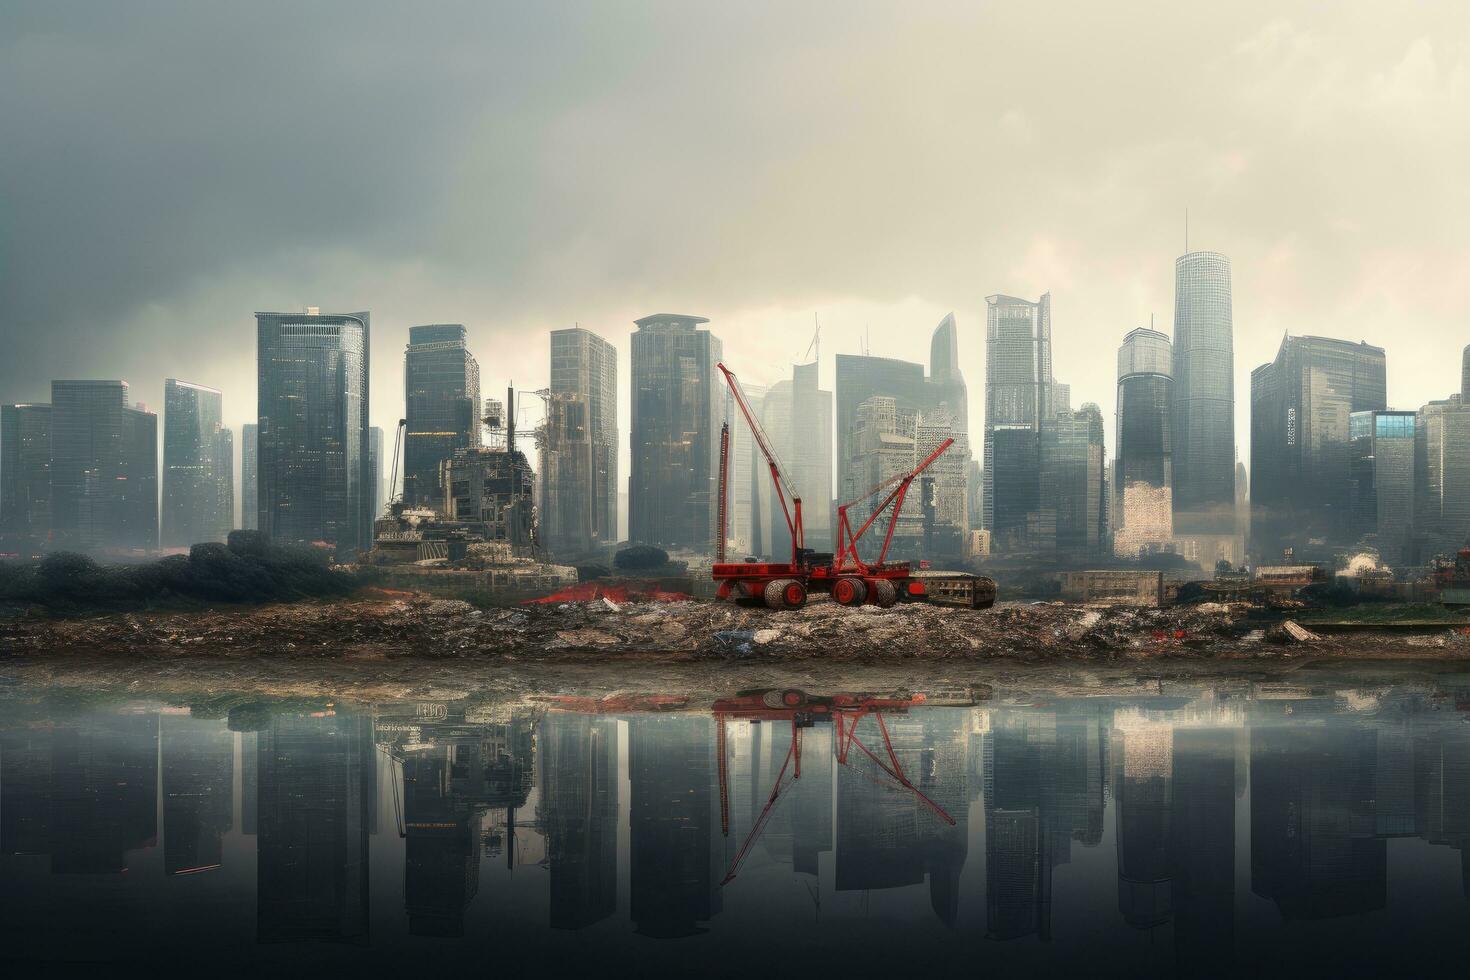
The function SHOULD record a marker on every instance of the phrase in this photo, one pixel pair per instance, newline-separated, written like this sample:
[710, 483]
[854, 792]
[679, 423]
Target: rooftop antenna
[816, 343]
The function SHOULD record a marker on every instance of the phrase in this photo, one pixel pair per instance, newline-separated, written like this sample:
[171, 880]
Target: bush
[640, 557]
[586, 573]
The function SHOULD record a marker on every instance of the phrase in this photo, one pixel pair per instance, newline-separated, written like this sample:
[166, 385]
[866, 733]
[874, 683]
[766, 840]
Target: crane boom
[847, 540]
[782, 482]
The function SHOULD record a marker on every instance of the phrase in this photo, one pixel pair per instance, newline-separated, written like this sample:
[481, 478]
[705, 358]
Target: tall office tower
[441, 393]
[1020, 393]
[858, 379]
[1143, 487]
[25, 476]
[1442, 476]
[1071, 516]
[375, 462]
[946, 381]
[678, 407]
[584, 364]
[104, 469]
[250, 476]
[749, 481]
[1381, 482]
[313, 416]
[882, 446]
[567, 508]
[797, 417]
[198, 498]
[1465, 375]
[943, 499]
[1203, 417]
[1300, 443]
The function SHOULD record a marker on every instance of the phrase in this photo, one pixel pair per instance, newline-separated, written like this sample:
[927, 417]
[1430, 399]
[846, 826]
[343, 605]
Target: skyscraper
[678, 407]
[1144, 483]
[1381, 486]
[797, 417]
[585, 367]
[858, 379]
[375, 462]
[104, 468]
[1071, 498]
[1300, 443]
[1020, 393]
[1203, 417]
[250, 476]
[441, 395]
[25, 476]
[313, 416]
[946, 381]
[198, 491]
[1465, 375]
[1442, 476]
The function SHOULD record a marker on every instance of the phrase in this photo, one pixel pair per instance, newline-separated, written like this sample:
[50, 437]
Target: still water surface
[1264, 829]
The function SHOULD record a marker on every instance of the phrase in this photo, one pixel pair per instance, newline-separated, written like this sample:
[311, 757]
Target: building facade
[104, 469]
[678, 406]
[1144, 480]
[1020, 393]
[1203, 415]
[584, 366]
[1301, 445]
[250, 476]
[1442, 476]
[314, 467]
[198, 470]
[1381, 487]
[25, 476]
[1071, 520]
[860, 378]
[441, 395]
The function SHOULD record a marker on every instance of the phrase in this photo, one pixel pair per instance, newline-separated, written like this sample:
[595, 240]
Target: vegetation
[247, 569]
[640, 557]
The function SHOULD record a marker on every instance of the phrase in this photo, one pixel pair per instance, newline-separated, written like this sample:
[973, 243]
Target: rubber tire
[857, 588]
[885, 593]
[778, 594]
[794, 595]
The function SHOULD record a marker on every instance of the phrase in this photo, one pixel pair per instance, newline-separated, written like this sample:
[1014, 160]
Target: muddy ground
[390, 649]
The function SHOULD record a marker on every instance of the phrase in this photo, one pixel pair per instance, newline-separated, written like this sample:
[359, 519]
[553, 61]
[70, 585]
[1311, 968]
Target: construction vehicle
[845, 576]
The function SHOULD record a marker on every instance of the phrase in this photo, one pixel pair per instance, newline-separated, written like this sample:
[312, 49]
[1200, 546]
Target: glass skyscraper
[1203, 417]
[441, 394]
[585, 366]
[104, 469]
[858, 379]
[1382, 482]
[678, 405]
[314, 469]
[1301, 443]
[198, 472]
[250, 476]
[1144, 480]
[25, 476]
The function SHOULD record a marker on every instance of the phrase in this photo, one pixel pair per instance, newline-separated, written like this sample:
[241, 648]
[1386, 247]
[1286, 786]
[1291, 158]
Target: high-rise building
[375, 461]
[946, 381]
[1381, 487]
[1020, 393]
[104, 469]
[25, 476]
[749, 481]
[1301, 444]
[198, 471]
[567, 507]
[1465, 375]
[1442, 476]
[314, 468]
[250, 476]
[586, 365]
[678, 406]
[1203, 416]
[441, 394]
[1143, 487]
[797, 417]
[1071, 520]
[858, 379]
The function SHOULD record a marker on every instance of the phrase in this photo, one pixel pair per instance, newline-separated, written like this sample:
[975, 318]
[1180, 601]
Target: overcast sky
[167, 169]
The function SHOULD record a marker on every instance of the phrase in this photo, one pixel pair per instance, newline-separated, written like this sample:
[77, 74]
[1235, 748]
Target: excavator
[845, 575]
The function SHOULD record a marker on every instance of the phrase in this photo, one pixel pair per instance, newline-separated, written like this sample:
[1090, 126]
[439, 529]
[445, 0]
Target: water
[1250, 828]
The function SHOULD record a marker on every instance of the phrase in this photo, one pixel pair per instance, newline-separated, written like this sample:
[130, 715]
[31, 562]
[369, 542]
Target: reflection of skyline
[1330, 778]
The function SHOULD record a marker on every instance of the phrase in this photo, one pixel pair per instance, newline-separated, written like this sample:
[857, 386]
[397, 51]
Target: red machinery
[844, 711]
[850, 580]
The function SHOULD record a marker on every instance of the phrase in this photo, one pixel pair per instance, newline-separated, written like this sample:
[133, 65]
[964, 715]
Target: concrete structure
[569, 508]
[1114, 588]
[198, 466]
[679, 404]
[1020, 393]
[1381, 483]
[1070, 521]
[315, 472]
[858, 379]
[585, 365]
[441, 394]
[104, 469]
[492, 487]
[1300, 443]
[1203, 415]
[25, 477]
[250, 476]
[1144, 478]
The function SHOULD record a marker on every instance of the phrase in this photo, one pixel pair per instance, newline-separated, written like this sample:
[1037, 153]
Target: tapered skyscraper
[1204, 396]
[314, 467]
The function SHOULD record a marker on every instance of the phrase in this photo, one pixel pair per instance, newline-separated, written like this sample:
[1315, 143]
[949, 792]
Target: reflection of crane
[849, 580]
[844, 711]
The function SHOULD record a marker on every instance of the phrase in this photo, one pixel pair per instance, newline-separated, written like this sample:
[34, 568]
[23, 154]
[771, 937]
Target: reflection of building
[104, 781]
[678, 406]
[1300, 443]
[1203, 404]
[441, 395]
[314, 467]
[441, 872]
[674, 813]
[198, 761]
[198, 466]
[1202, 848]
[314, 798]
[577, 763]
